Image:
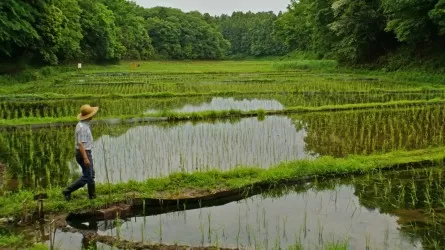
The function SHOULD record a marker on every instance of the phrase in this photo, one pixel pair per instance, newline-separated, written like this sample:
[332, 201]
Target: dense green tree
[17, 30]
[293, 28]
[251, 34]
[409, 19]
[305, 26]
[320, 15]
[394, 32]
[359, 27]
[100, 35]
[165, 35]
[49, 26]
[438, 16]
[132, 32]
[178, 35]
[71, 33]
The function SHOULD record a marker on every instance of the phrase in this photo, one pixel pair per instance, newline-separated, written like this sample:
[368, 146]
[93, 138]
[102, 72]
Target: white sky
[218, 7]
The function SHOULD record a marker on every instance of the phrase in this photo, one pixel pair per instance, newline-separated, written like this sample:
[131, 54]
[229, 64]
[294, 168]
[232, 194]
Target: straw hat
[86, 112]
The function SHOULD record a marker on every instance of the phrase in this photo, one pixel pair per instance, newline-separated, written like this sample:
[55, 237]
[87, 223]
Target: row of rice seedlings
[151, 151]
[193, 87]
[297, 77]
[44, 157]
[168, 76]
[123, 106]
[196, 84]
[375, 131]
[109, 107]
[37, 159]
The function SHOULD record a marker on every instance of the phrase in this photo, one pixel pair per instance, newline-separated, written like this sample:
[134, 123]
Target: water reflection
[153, 151]
[313, 218]
[219, 103]
[393, 210]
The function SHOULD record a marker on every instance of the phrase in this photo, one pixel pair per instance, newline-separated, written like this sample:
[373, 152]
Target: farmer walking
[84, 145]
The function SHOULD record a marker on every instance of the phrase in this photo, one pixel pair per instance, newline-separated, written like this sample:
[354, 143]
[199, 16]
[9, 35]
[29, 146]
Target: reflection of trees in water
[366, 132]
[416, 197]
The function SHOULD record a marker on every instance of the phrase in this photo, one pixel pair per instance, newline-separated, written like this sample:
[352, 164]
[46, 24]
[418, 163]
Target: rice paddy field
[163, 119]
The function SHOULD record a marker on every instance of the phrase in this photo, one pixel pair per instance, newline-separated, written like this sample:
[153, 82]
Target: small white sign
[79, 66]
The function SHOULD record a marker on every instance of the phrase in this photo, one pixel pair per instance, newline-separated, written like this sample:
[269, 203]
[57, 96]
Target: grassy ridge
[14, 204]
[173, 116]
[56, 96]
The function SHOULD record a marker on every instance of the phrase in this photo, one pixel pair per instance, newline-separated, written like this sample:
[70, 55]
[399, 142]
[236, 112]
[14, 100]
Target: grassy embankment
[174, 186]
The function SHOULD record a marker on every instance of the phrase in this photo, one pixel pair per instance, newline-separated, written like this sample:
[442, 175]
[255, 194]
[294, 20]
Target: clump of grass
[307, 65]
[9, 240]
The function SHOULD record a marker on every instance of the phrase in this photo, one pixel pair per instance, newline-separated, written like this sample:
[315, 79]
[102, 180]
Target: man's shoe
[92, 191]
[67, 195]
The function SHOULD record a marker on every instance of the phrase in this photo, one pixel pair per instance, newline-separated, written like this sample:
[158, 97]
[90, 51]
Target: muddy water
[153, 151]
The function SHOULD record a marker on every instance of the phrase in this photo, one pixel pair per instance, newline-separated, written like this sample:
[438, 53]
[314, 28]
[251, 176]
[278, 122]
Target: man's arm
[86, 161]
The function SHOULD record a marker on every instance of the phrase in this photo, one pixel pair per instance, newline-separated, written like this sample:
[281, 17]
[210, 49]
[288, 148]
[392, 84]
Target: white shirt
[83, 134]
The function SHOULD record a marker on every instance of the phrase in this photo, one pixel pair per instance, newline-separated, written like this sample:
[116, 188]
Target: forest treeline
[390, 32]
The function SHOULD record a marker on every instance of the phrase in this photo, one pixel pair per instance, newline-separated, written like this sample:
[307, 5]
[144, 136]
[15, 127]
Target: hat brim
[81, 117]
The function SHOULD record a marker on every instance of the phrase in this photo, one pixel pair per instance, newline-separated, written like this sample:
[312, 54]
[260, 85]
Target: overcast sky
[218, 7]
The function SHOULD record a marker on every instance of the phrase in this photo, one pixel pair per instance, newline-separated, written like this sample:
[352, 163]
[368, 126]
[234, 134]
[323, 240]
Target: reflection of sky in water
[326, 216]
[219, 103]
[152, 151]
[73, 241]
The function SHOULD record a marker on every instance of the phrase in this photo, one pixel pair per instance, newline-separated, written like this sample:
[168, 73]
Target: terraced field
[165, 119]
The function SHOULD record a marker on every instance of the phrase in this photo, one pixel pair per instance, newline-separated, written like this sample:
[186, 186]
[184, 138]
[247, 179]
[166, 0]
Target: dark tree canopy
[388, 32]
[251, 34]
[366, 31]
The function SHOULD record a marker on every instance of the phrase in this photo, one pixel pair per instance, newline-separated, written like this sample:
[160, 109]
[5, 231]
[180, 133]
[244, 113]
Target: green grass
[13, 204]
[9, 240]
[182, 66]
[325, 65]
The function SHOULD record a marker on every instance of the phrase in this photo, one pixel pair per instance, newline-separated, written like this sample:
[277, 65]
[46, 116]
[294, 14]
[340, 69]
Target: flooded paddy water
[389, 210]
[393, 210]
[44, 157]
[152, 151]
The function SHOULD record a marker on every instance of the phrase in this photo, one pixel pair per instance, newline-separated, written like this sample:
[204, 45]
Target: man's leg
[80, 182]
[91, 177]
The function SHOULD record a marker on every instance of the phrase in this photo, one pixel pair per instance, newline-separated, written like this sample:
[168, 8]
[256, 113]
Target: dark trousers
[87, 178]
